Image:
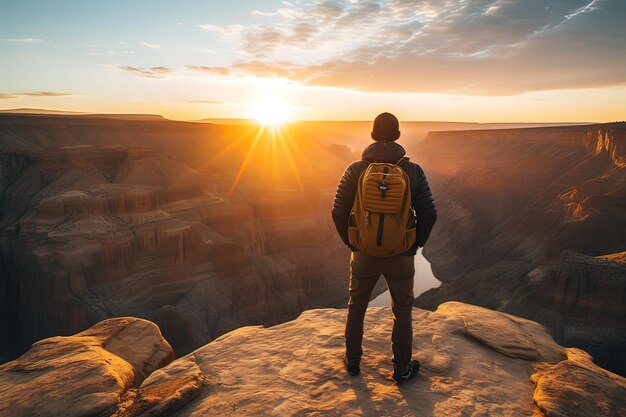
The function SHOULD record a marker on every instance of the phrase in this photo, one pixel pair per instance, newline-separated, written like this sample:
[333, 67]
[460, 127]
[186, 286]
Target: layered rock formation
[510, 203]
[91, 232]
[204, 228]
[474, 362]
[578, 297]
[84, 374]
[525, 194]
[282, 159]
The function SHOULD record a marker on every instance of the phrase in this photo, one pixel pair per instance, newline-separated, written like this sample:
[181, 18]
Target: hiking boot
[414, 367]
[352, 369]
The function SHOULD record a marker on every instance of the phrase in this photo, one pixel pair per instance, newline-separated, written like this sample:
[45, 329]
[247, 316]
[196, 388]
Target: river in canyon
[424, 281]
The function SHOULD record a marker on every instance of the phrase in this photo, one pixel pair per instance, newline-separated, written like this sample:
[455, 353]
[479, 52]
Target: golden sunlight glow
[271, 111]
[271, 153]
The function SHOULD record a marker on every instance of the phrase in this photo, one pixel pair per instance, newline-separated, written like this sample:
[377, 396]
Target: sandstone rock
[523, 214]
[295, 369]
[513, 336]
[616, 257]
[577, 387]
[84, 374]
[109, 231]
[579, 298]
[524, 194]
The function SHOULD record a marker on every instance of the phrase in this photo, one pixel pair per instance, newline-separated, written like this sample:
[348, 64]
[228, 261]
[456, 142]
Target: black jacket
[421, 197]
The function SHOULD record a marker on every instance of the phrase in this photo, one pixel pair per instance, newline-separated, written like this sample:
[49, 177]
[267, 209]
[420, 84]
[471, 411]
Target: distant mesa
[46, 112]
[226, 121]
[25, 110]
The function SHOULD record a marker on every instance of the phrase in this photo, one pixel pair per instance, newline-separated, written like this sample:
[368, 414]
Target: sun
[271, 111]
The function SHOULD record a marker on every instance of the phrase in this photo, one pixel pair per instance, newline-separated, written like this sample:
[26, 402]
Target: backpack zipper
[379, 236]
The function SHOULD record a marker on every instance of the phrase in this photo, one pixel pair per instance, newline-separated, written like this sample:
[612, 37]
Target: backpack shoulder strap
[401, 160]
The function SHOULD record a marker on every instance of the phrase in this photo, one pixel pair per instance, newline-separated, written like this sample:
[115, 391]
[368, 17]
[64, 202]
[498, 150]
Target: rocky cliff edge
[475, 362]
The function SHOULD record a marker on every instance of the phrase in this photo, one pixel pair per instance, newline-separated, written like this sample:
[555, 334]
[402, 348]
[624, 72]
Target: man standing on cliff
[354, 215]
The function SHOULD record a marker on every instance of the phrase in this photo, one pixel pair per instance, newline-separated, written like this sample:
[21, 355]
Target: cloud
[45, 94]
[23, 40]
[220, 71]
[205, 102]
[224, 30]
[6, 96]
[490, 47]
[203, 50]
[262, 41]
[154, 72]
[260, 13]
[149, 45]
[167, 72]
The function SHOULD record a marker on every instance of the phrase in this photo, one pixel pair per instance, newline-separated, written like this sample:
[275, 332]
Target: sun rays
[273, 155]
[265, 154]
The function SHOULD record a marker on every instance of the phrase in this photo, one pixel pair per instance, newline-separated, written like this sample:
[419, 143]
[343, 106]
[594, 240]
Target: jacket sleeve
[344, 200]
[424, 205]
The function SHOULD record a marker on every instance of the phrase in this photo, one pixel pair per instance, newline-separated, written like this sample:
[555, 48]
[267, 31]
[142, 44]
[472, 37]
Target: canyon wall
[93, 231]
[204, 228]
[524, 214]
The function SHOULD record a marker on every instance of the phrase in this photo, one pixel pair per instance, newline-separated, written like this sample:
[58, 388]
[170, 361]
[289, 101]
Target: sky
[446, 60]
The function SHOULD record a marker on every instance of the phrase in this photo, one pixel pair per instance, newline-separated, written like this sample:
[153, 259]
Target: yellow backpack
[382, 220]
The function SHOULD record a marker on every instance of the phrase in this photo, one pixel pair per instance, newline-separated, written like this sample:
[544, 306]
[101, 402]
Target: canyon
[119, 226]
[533, 224]
[204, 228]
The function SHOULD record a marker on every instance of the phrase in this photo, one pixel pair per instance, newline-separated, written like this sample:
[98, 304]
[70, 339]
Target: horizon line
[53, 112]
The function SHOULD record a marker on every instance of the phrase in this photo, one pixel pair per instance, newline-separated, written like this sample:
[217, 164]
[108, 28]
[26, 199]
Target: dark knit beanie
[386, 127]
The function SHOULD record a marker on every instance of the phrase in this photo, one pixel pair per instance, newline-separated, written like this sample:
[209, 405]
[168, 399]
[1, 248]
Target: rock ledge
[475, 362]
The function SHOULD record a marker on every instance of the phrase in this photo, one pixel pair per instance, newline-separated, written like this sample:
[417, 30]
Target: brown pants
[364, 273]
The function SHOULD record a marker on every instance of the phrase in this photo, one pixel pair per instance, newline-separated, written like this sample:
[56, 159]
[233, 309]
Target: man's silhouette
[398, 270]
